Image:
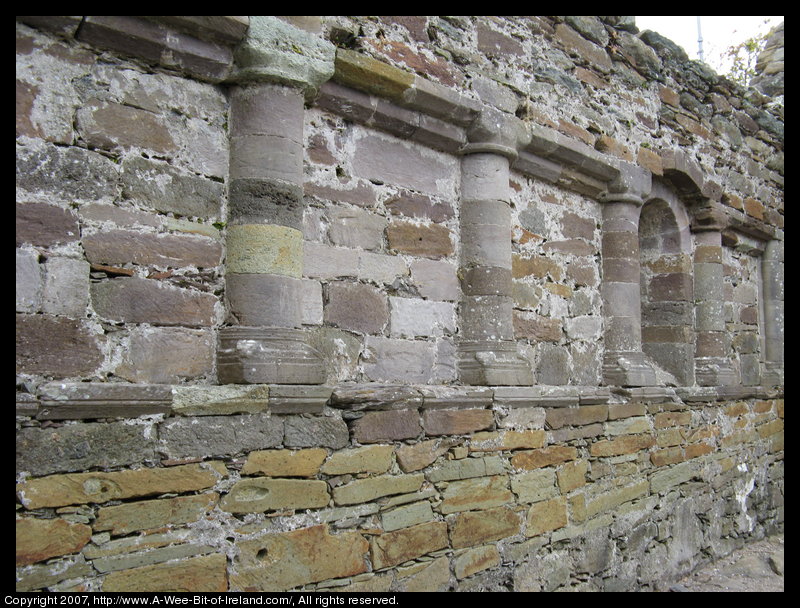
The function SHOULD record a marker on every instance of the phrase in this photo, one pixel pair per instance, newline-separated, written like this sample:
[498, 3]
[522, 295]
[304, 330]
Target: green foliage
[743, 57]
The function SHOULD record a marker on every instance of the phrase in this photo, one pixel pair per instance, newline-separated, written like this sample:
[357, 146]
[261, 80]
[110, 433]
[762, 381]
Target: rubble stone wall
[390, 304]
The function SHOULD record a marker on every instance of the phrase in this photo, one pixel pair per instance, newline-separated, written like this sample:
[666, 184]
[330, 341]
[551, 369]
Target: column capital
[275, 51]
[708, 218]
[496, 132]
[631, 185]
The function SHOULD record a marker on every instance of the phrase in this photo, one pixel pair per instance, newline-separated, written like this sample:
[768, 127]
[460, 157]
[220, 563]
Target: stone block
[419, 455]
[285, 463]
[507, 440]
[221, 435]
[546, 516]
[534, 459]
[207, 573]
[266, 201]
[587, 414]
[356, 228]
[165, 251]
[396, 360]
[480, 527]
[477, 493]
[552, 367]
[476, 560]
[41, 539]
[266, 300]
[56, 346]
[415, 205]
[356, 307]
[466, 468]
[66, 287]
[370, 488]
[377, 427]
[381, 268]
[326, 262]
[614, 498]
[429, 241]
[260, 494]
[572, 475]
[393, 548]
[537, 328]
[625, 444]
[315, 431]
[367, 459]
[29, 282]
[150, 514]
[370, 75]
[164, 188]
[534, 486]
[100, 487]
[412, 318]
[264, 248]
[266, 157]
[167, 355]
[135, 300]
[406, 516]
[385, 159]
[487, 281]
[71, 174]
[486, 318]
[44, 225]
[456, 422]
[111, 126]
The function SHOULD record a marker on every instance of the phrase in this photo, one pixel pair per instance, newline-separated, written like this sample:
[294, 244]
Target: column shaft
[773, 335]
[487, 350]
[265, 241]
[624, 363]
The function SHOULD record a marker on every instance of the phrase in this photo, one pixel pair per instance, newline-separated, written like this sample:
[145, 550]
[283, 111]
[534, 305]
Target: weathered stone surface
[277, 562]
[625, 444]
[164, 251]
[420, 455]
[41, 539]
[392, 548]
[534, 459]
[259, 494]
[78, 447]
[475, 560]
[66, 287]
[219, 435]
[99, 487]
[478, 527]
[370, 488]
[111, 125]
[356, 228]
[616, 497]
[167, 355]
[456, 422]
[356, 307]
[412, 317]
[285, 463]
[315, 431]
[199, 574]
[406, 516]
[145, 515]
[572, 475]
[56, 346]
[435, 280]
[368, 459]
[431, 241]
[29, 282]
[45, 225]
[465, 468]
[135, 300]
[586, 414]
[478, 493]
[534, 486]
[396, 360]
[507, 440]
[377, 427]
[546, 516]
[161, 187]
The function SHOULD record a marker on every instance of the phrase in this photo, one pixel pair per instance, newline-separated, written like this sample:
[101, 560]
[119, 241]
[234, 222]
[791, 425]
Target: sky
[718, 33]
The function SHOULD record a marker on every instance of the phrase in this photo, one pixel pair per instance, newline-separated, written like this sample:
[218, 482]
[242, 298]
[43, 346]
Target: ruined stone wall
[390, 303]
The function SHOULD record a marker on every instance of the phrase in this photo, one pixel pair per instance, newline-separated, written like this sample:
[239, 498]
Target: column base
[488, 363]
[627, 369]
[257, 355]
[715, 371]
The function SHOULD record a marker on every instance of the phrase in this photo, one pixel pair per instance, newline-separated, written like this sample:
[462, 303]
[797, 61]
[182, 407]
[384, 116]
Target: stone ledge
[63, 400]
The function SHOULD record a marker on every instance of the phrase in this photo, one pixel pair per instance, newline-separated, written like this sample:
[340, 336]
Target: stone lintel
[84, 400]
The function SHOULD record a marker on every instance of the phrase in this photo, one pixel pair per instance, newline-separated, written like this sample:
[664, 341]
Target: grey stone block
[486, 318]
[396, 360]
[315, 431]
[412, 317]
[62, 401]
[266, 201]
[266, 157]
[266, 109]
[216, 436]
[356, 228]
[167, 355]
[83, 446]
[356, 307]
[267, 300]
[45, 225]
[435, 280]
[56, 346]
[29, 281]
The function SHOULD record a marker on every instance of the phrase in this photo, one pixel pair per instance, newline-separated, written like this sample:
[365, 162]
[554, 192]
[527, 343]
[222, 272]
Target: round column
[773, 335]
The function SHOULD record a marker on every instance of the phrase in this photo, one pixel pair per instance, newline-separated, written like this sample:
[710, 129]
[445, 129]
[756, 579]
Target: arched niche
[665, 253]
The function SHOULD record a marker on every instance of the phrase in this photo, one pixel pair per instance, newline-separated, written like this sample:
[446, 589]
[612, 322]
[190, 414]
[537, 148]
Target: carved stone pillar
[712, 364]
[487, 351]
[772, 276]
[264, 343]
[624, 363]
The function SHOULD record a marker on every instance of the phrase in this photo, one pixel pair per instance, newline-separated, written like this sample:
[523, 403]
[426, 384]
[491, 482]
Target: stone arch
[665, 253]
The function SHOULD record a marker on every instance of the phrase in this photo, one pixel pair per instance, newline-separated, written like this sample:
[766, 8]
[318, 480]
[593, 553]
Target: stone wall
[389, 304]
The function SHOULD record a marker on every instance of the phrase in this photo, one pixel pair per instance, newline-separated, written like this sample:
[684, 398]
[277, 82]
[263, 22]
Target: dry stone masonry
[391, 304]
